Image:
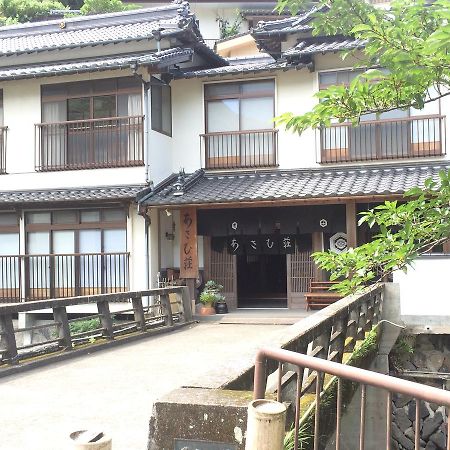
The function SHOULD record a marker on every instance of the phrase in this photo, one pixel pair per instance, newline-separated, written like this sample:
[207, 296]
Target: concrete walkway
[113, 390]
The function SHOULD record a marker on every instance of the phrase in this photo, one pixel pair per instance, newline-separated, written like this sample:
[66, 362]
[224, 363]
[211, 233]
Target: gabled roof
[356, 181]
[97, 29]
[294, 24]
[106, 193]
[156, 60]
[314, 46]
[241, 65]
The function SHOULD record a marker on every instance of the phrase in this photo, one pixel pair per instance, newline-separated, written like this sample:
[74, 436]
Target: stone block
[199, 414]
[431, 424]
[423, 411]
[402, 420]
[430, 446]
[435, 360]
[439, 440]
[398, 435]
[401, 400]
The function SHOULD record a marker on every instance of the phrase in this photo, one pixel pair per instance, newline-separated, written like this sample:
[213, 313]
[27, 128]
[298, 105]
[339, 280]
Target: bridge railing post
[167, 310]
[139, 315]
[60, 316]
[105, 318]
[9, 337]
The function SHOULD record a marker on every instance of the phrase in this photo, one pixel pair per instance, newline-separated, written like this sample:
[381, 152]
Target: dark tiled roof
[106, 193]
[157, 60]
[239, 68]
[95, 30]
[294, 24]
[202, 187]
[306, 48]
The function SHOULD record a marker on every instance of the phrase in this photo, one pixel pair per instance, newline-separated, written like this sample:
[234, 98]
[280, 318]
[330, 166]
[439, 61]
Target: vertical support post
[318, 246]
[186, 305]
[350, 220]
[138, 310]
[352, 329]
[8, 335]
[338, 343]
[362, 321]
[190, 283]
[165, 303]
[323, 342]
[60, 316]
[105, 318]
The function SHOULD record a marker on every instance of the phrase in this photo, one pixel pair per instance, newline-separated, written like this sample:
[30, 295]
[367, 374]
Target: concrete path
[113, 390]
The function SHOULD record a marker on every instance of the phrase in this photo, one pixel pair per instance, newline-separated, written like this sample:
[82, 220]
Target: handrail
[103, 119]
[375, 379]
[387, 121]
[220, 133]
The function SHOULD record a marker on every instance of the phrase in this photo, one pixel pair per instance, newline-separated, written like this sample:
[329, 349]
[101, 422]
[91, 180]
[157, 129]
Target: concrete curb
[72, 354]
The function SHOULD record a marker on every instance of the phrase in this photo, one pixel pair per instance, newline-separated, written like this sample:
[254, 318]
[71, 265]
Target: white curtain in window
[54, 137]
[9, 265]
[134, 135]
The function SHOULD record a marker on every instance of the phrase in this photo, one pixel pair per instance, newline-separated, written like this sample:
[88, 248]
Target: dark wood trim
[351, 226]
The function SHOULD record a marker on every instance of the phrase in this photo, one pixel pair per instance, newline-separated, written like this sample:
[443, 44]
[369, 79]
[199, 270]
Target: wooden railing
[240, 149]
[36, 277]
[372, 140]
[151, 309]
[3, 135]
[90, 144]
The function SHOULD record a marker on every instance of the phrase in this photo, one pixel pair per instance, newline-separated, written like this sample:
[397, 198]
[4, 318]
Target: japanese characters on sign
[261, 244]
[188, 243]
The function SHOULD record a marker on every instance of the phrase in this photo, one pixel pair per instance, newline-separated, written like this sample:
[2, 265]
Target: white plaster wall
[136, 247]
[188, 124]
[422, 288]
[22, 110]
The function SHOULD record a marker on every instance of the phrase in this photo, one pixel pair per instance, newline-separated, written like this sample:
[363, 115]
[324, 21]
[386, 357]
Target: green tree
[104, 6]
[410, 42]
[14, 11]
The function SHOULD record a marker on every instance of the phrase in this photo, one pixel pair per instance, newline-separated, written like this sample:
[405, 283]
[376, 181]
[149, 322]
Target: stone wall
[431, 360]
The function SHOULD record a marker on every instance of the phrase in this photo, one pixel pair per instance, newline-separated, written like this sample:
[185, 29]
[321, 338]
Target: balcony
[412, 137]
[39, 277]
[240, 149]
[3, 131]
[90, 144]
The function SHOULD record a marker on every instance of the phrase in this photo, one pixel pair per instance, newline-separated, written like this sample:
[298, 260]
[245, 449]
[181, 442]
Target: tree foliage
[410, 42]
[104, 6]
[406, 63]
[13, 11]
[406, 230]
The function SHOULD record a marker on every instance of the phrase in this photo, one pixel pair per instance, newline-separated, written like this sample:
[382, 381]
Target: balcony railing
[240, 149]
[39, 277]
[90, 144]
[3, 134]
[373, 140]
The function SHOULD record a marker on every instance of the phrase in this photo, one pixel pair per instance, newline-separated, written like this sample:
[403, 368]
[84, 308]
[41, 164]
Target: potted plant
[212, 299]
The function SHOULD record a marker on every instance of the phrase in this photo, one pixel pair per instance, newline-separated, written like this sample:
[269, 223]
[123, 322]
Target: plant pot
[207, 310]
[221, 308]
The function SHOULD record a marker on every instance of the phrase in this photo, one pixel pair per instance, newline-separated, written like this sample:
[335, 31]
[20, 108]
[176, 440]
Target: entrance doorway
[261, 281]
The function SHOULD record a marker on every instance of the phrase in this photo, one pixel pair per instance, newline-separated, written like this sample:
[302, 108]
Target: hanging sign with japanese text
[188, 243]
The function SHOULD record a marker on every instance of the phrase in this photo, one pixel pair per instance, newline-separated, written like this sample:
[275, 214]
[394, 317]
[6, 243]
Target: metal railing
[36, 277]
[240, 149]
[371, 140]
[90, 144]
[169, 305]
[363, 377]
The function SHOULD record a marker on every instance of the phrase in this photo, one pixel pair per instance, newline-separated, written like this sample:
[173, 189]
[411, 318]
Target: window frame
[238, 96]
[158, 84]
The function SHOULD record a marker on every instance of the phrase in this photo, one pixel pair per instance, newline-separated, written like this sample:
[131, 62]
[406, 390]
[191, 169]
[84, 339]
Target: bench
[320, 296]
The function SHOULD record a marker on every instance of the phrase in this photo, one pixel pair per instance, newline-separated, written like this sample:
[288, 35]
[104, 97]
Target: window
[239, 124]
[91, 124]
[161, 99]
[76, 252]
[389, 135]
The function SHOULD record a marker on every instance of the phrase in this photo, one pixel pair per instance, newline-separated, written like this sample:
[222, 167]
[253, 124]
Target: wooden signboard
[188, 243]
